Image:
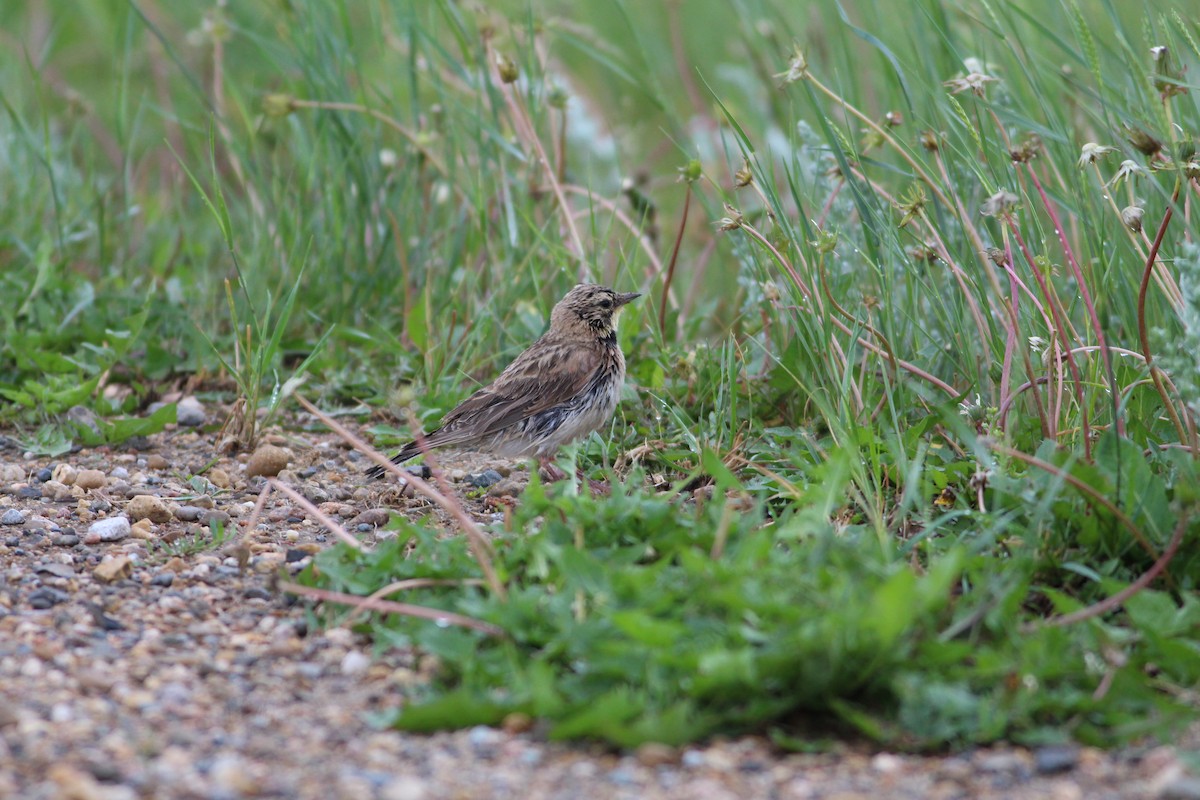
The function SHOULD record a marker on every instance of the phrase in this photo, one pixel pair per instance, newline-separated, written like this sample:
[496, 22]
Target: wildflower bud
[826, 241]
[278, 105]
[997, 256]
[930, 141]
[894, 119]
[999, 204]
[797, 67]
[691, 171]
[557, 98]
[506, 68]
[1132, 217]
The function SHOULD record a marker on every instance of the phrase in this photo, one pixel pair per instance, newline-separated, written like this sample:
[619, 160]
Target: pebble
[29, 492]
[91, 479]
[44, 474]
[146, 506]
[355, 663]
[156, 461]
[219, 478]
[423, 471]
[56, 490]
[268, 460]
[484, 740]
[372, 517]
[188, 513]
[65, 540]
[12, 517]
[215, 517]
[189, 412]
[164, 578]
[1053, 759]
[64, 474]
[656, 754]
[113, 569]
[1182, 787]
[404, 788]
[119, 473]
[47, 597]
[489, 477]
[109, 529]
[11, 473]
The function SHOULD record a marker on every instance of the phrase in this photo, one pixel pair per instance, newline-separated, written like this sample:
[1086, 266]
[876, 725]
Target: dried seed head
[1131, 216]
[912, 203]
[1026, 150]
[506, 68]
[732, 220]
[826, 241]
[743, 177]
[797, 67]
[893, 119]
[997, 256]
[999, 204]
[1168, 78]
[926, 253]
[1091, 152]
[1142, 141]
[930, 140]
[973, 82]
[1127, 170]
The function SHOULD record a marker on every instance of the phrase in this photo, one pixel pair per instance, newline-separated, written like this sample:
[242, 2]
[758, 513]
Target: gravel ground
[139, 661]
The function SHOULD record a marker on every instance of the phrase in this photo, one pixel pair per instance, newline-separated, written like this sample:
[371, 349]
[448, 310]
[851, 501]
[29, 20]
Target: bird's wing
[539, 379]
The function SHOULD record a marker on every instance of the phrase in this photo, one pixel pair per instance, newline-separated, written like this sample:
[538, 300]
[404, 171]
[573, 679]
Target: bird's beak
[626, 297]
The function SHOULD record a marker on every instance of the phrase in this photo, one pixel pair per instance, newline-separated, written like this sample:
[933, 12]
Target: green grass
[878, 354]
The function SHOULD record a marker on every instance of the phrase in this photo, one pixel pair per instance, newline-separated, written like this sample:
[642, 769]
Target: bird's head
[589, 310]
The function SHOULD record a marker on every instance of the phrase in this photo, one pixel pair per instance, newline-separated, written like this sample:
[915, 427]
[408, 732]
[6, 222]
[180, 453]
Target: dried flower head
[1026, 150]
[1131, 216]
[732, 220]
[1168, 78]
[506, 68]
[930, 140]
[1127, 171]
[743, 177]
[893, 119]
[973, 82]
[999, 204]
[1091, 152]
[1142, 141]
[797, 67]
[997, 256]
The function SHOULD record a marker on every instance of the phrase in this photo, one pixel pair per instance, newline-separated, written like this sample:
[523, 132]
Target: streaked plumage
[562, 388]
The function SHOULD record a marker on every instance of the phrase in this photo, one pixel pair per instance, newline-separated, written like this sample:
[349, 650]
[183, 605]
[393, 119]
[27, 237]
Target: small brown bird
[562, 388]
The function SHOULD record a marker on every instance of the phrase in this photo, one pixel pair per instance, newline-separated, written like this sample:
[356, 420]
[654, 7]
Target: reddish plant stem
[1109, 375]
[1143, 332]
[662, 303]
[1061, 332]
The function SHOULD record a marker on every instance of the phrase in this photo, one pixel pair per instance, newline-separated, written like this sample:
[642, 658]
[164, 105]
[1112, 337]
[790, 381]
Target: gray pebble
[47, 597]
[44, 474]
[1055, 758]
[109, 529]
[29, 493]
[12, 517]
[257, 593]
[119, 472]
[164, 578]
[1181, 788]
[484, 740]
[214, 517]
[189, 412]
[485, 479]
[65, 540]
[188, 513]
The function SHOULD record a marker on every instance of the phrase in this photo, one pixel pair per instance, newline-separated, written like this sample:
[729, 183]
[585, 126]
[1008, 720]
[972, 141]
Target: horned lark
[562, 388]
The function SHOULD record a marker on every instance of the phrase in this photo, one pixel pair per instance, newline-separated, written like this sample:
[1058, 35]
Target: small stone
[119, 473]
[65, 474]
[295, 554]
[656, 754]
[215, 517]
[267, 461]
[482, 480]
[113, 569]
[372, 518]
[256, 593]
[405, 787]
[188, 513]
[155, 461]
[56, 490]
[109, 529]
[176, 564]
[355, 663]
[47, 597]
[1053, 759]
[189, 412]
[65, 540]
[44, 474]
[11, 473]
[29, 493]
[484, 740]
[164, 578]
[12, 517]
[147, 506]
[421, 471]
[142, 529]
[91, 479]
[219, 478]
[55, 569]
[1182, 787]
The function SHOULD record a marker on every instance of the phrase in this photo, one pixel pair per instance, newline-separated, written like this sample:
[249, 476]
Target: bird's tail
[409, 450]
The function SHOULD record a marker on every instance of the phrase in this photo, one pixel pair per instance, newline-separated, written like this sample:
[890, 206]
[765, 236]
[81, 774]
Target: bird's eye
[606, 303]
